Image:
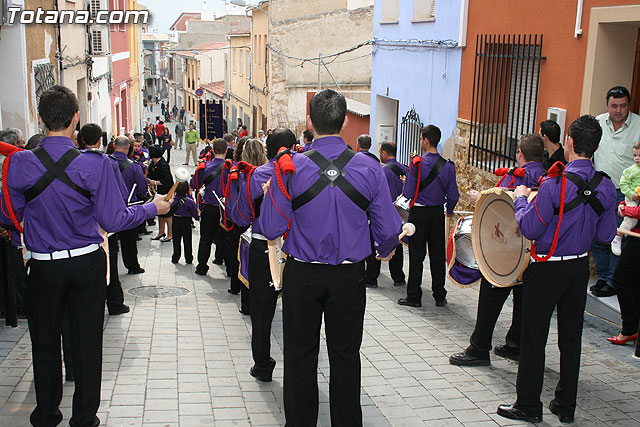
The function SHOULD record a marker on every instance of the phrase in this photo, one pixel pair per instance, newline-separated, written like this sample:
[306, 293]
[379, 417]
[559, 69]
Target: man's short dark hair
[327, 110]
[90, 134]
[586, 133]
[228, 138]
[56, 107]
[364, 141]
[389, 148]
[308, 135]
[432, 134]
[220, 146]
[551, 130]
[137, 136]
[280, 137]
[618, 92]
[532, 147]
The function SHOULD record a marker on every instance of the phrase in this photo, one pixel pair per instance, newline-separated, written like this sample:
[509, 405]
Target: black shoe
[507, 352]
[555, 409]
[122, 310]
[146, 232]
[441, 303]
[599, 284]
[605, 291]
[264, 376]
[399, 283]
[245, 311]
[138, 270]
[189, 261]
[218, 261]
[371, 285]
[158, 237]
[466, 359]
[201, 271]
[513, 413]
[138, 238]
[232, 292]
[410, 303]
[174, 261]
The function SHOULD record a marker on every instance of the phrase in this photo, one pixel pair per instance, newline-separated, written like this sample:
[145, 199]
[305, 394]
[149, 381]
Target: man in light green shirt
[620, 130]
[191, 139]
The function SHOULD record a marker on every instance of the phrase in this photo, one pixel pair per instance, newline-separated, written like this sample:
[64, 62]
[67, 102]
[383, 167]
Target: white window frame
[103, 41]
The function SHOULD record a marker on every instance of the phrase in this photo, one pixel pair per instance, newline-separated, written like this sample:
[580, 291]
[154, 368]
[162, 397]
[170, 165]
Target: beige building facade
[261, 68]
[239, 93]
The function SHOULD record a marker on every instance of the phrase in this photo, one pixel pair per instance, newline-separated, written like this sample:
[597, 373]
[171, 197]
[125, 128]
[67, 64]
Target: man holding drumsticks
[573, 207]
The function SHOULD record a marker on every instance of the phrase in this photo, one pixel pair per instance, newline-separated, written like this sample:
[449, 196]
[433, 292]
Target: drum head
[500, 249]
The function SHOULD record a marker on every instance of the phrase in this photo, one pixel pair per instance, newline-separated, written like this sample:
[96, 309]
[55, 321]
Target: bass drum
[502, 252]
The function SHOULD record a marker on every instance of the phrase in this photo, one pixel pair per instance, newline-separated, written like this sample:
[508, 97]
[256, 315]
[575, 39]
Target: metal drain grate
[158, 291]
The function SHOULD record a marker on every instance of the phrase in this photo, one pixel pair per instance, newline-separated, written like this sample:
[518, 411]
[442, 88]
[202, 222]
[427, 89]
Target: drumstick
[463, 213]
[628, 233]
[181, 175]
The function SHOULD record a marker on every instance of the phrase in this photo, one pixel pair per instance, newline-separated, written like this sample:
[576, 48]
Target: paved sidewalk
[185, 361]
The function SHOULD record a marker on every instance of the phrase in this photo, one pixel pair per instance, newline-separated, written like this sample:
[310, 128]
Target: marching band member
[63, 196]
[263, 296]
[430, 184]
[491, 299]
[322, 207]
[574, 206]
[206, 181]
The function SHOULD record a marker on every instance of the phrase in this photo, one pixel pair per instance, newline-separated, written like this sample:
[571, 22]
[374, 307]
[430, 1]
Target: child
[183, 209]
[630, 187]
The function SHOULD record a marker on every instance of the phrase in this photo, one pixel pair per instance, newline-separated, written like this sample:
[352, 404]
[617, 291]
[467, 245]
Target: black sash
[54, 170]
[123, 165]
[395, 168]
[586, 193]
[435, 170]
[213, 175]
[331, 173]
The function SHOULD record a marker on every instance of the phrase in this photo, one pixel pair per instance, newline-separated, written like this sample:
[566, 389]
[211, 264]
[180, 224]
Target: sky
[165, 12]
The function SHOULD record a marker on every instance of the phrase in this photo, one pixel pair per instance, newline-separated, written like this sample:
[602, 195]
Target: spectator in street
[261, 137]
[183, 210]
[620, 130]
[12, 136]
[243, 132]
[179, 131]
[148, 136]
[191, 143]
[159, 130]
[553, 151]
[166, 141]
[34, 141]
[630, 187]
[160, 175]
[230, 140]
[181, 113]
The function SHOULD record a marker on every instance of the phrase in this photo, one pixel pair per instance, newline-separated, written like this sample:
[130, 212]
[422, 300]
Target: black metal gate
[505, 96]
[409, 137]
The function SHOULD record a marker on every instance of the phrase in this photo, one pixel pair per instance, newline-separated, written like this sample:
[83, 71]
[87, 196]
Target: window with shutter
[389, 11]
[424, 10]
[97, 45]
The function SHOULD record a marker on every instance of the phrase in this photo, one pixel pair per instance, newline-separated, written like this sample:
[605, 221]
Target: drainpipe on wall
[58, 33]
[464, 16]
[578, 31]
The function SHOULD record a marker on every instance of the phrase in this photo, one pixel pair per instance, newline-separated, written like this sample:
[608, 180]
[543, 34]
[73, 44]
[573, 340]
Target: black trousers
[21, 277]
[626, 282]
[210, 232]
[549, 285]
[115, 295]
[129, 243]
[490, 303]
[429, 222]
[232, 242]
[338, 292]
[78, 286]
[395, 267]
[264, 299]
[181, 232]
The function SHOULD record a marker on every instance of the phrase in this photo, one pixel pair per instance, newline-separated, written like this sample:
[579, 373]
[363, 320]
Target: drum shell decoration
[502, 252]
[462, 267]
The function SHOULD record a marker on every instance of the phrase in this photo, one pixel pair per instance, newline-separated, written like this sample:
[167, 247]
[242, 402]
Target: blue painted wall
[424, 78]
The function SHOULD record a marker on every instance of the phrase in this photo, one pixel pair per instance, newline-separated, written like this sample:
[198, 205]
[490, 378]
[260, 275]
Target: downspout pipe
[578, 31]
[58, 31]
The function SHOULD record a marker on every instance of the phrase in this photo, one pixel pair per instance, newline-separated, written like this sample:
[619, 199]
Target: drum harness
[395, 168]
[435, 171]
[586, 194]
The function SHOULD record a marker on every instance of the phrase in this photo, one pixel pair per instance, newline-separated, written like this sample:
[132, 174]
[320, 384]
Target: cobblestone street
[185, 360]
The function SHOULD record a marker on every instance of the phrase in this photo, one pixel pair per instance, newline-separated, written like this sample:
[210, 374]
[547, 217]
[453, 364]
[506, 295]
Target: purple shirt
[331, 228]
[60, 218]
[532, 172]
[186, 208]
[132, 175]
[198, 178]
[242, 214]
[394, 182]
[442, 190]
[580, 226]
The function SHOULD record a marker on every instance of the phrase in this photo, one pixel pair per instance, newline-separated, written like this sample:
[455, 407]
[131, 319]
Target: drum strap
[395, 168]
[586, 193]
[123, 165]
[213, 175]
[370, 154]
[331, 174]
[54, 170]
[435, 171]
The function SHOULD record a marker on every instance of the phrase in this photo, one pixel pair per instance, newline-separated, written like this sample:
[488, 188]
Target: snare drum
[502, 252]
[461, 261]
[402, 206]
